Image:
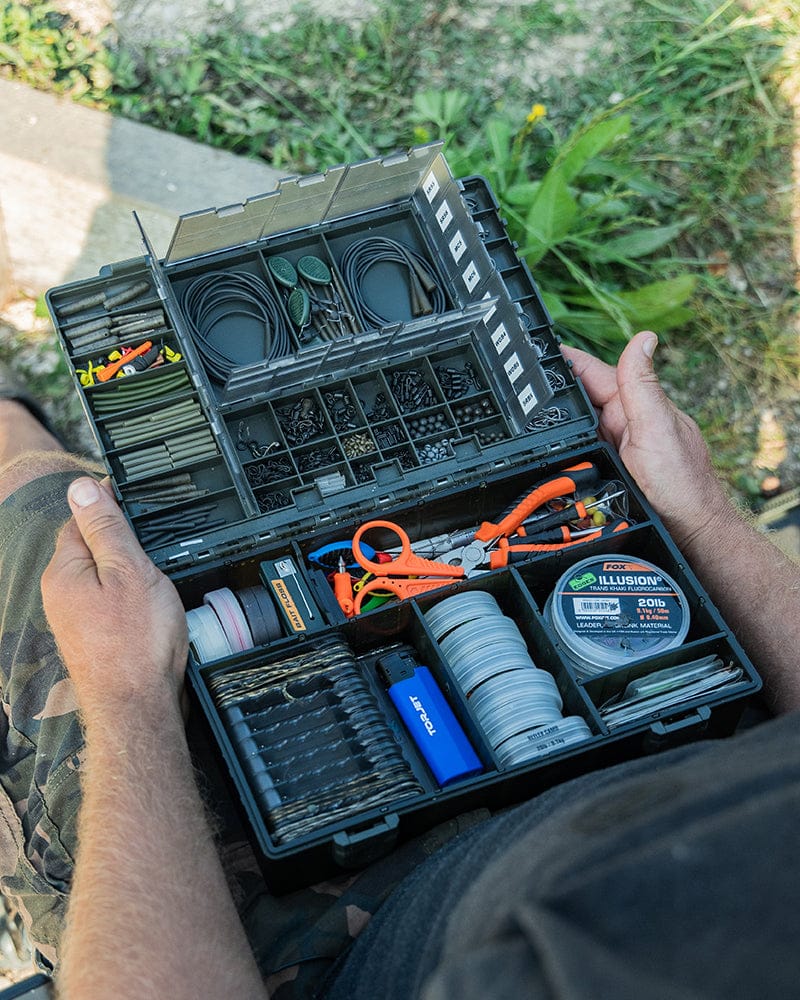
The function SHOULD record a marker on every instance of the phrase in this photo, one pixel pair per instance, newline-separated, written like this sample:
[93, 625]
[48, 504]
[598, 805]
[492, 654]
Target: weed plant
[649, 189]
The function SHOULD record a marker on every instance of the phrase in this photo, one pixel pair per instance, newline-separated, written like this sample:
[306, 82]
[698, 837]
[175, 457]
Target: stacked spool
[517, 705]
[232, 622]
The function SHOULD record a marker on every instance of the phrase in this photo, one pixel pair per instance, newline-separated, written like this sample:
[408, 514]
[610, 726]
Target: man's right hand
[660, 445]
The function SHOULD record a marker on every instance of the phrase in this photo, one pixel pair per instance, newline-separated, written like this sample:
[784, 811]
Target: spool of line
[530, 687]
[206, 635]
[542, 741]
[508, 695]
[458, 609]
[611, 610]
[481, 635]
[261, 614]
[231, 617]
[472, 672]
[516, 719]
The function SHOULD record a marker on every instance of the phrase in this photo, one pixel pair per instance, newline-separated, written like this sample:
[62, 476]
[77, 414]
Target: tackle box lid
[495, 318]
[312, 200]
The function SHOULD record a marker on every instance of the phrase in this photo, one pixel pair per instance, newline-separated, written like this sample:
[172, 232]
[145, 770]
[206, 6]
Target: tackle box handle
[354, 850]
[667, 732]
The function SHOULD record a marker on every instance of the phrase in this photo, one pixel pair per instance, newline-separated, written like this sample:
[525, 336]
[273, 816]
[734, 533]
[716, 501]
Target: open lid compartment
[487, 393]
[308, 201]
[480, 437]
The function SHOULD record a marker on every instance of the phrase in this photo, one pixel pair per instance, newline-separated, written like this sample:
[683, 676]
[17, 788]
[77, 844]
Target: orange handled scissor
[414, 574]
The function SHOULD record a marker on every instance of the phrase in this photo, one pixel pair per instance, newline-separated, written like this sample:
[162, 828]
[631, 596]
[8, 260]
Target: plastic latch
[666, 733]
[354, 850]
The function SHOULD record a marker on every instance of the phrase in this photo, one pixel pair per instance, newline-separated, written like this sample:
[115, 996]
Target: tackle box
[366, 345]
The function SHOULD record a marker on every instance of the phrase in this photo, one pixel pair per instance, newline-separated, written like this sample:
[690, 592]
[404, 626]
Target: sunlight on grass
[653, 185]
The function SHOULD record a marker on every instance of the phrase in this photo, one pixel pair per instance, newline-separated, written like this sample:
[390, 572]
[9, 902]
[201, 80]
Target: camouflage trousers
[296, 938]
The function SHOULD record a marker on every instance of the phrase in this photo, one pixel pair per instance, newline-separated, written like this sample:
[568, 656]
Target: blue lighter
[428, 718]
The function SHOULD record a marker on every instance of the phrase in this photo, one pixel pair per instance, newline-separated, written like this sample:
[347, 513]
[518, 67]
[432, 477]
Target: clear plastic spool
[459, 609]
[542, 741]
[611, 610]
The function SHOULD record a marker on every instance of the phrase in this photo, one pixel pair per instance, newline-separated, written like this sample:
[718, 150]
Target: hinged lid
[491, 323]
[301, 202]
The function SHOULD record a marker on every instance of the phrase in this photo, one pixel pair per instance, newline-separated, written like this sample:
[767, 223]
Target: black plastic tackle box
[337, 417]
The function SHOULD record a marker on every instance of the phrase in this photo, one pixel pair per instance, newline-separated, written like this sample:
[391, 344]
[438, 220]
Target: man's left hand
[118, 621]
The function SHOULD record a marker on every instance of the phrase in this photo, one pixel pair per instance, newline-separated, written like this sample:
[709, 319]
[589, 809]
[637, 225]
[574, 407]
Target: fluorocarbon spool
[610, 610]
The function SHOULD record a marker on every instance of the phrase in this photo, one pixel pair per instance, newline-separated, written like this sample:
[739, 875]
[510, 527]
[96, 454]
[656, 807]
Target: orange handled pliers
[507, 553]
[479, 552]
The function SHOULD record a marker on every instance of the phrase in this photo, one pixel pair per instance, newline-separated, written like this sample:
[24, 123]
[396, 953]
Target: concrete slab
[70, 176]
[5, 266]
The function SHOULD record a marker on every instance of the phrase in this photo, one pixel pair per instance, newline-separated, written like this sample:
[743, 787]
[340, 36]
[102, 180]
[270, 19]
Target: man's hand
[661, 447]
[143, 833]
[118, 621]
[664, 451]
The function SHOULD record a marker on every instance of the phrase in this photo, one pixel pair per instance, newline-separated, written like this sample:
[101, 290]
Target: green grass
[702, 171]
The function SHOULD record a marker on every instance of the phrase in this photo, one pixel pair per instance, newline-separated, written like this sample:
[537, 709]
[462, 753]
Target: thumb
[101, 524]
[640, 392]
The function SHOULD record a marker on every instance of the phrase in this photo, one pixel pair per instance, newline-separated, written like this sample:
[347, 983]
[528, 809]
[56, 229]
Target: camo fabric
[296, 938]
[40, 739]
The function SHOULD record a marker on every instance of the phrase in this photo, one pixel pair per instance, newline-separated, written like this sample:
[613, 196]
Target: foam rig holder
[337, 416]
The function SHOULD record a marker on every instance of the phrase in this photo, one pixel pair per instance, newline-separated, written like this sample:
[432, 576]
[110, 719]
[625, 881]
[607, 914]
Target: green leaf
[596, 327]
[554, 305]
[665, 319]
[499, 133]
[608, 301]
[663, 316]
[522, 193]
[640, 242]
[590, 143]
[8, 54]
[656, 301]
[551, 216]
[192, 75]
[454, 102]
[632, 177]
[604, 206]
[428, 104]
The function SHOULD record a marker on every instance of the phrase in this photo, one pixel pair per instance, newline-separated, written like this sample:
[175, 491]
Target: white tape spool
[231, 617]
[206, 635]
